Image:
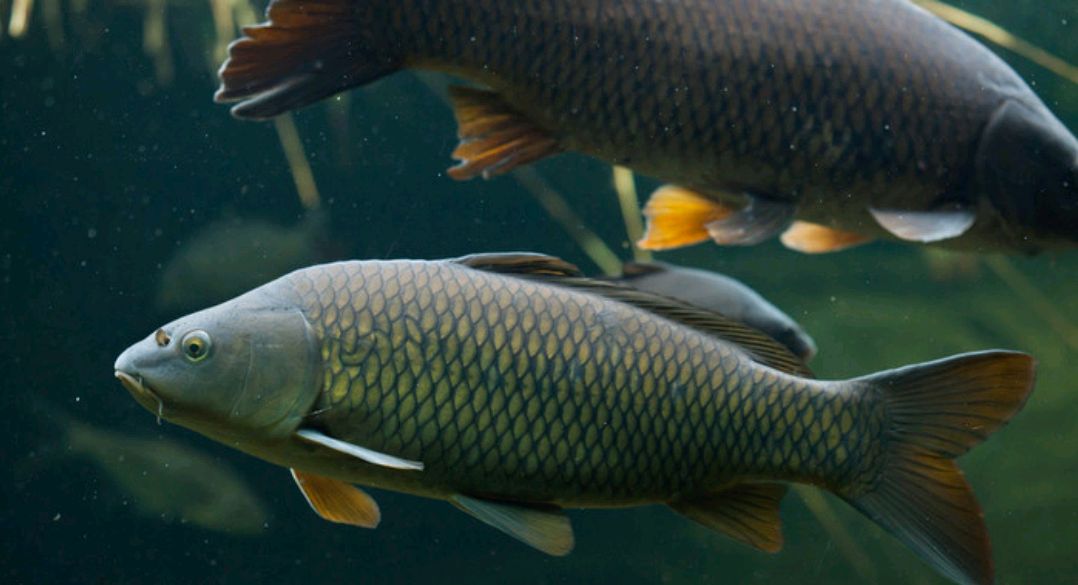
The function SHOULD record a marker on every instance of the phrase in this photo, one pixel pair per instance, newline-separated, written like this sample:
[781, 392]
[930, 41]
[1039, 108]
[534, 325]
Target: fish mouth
[142, 393]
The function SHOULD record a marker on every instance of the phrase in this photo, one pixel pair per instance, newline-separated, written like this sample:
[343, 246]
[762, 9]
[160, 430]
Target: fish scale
[547, 394]
[784, 131]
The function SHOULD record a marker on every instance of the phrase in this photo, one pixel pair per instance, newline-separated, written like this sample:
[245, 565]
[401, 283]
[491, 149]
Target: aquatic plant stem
[625, 186]
[155, 40]
[1000, 36]
[297, 161]
[224, 27]
[1034, 299]
[20, 17]
[847, 546]
[54, 23]
[558, 208]
[246, 15]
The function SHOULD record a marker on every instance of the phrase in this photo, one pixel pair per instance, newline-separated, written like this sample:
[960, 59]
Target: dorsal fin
[522, 263]
[760, 346]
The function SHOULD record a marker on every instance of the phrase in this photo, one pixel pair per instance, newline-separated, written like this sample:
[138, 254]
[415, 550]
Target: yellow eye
[196, 345]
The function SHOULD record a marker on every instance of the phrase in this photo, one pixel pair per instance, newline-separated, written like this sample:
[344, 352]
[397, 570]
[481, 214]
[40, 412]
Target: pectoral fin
[747, 512]
[924, 226]
[677, 217]
[337, 501]
[546, 528]
[368, 455]
[813, 238]
[494, 138]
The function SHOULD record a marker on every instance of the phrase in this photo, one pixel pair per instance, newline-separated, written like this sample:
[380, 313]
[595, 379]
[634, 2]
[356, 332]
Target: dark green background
[104, 173]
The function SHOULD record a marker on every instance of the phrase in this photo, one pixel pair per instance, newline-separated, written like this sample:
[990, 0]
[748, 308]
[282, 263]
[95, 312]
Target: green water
[106, 172]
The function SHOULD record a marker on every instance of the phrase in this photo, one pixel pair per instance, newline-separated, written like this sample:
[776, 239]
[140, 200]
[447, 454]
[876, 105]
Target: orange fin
[938, 411]
[747, 512]
[337, 501]
[813, 238]
[494, 138]
[679, 217]
[306, 51]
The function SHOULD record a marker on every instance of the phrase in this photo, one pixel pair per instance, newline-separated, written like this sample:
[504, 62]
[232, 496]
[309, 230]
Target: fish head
[248, 368]
[1027, 165]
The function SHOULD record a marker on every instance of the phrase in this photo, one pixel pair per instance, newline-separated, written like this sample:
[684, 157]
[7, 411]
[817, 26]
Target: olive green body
[522, 390]
[831, 105]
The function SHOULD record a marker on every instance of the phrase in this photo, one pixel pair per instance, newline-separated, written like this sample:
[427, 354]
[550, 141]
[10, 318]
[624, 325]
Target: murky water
[110, 174]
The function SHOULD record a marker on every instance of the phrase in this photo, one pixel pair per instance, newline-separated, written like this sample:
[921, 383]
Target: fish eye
[196, 345]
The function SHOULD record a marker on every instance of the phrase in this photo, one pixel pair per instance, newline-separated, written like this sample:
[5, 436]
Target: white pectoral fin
[546, 528]
[924, 226]
[362, 453]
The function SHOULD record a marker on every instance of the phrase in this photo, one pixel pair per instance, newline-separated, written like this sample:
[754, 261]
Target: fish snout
[127, 371]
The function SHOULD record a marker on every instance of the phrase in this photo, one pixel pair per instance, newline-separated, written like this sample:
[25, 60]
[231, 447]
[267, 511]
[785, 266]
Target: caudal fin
[936, 412]
[308, 50]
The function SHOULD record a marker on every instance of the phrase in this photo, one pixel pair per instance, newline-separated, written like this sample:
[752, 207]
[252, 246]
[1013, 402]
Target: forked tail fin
[936, 412]
[308, 50]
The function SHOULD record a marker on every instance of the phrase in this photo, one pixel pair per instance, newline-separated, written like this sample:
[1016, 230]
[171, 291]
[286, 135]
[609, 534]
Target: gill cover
[1027, 163]
[281, 381]
[255, 371]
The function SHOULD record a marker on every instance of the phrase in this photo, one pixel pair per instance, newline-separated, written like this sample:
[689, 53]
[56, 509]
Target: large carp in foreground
[856, 118]
[513, 387]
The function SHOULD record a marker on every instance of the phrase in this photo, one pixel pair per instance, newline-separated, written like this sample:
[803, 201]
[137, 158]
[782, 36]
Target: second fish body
[859, 119]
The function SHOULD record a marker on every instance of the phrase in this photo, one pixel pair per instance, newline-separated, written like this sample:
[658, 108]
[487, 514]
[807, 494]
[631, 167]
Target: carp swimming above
[513, 387]
[830, 122]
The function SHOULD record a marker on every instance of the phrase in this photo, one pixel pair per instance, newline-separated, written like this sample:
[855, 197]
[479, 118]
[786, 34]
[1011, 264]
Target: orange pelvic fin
[747, 512]
[678, 217]
[813, 238]
[337, 501]
[494, 138]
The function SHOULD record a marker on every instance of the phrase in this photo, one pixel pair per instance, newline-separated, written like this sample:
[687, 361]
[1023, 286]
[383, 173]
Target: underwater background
[118, 174]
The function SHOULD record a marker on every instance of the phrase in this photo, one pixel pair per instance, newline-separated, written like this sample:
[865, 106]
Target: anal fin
[546, 528]
[813, 238]
[677, 217]
[337, 501]
[748, 512]
[494, 138]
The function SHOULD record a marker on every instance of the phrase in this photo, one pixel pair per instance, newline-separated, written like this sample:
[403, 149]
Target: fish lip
[141, 392]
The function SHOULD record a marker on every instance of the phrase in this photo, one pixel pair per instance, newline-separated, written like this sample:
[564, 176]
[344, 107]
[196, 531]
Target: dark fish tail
[307, 50]
[935, 412]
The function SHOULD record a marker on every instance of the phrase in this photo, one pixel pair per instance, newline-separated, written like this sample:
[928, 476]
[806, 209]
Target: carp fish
[513, 387]
[169, 480]
[233, 255]
[830, 122]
